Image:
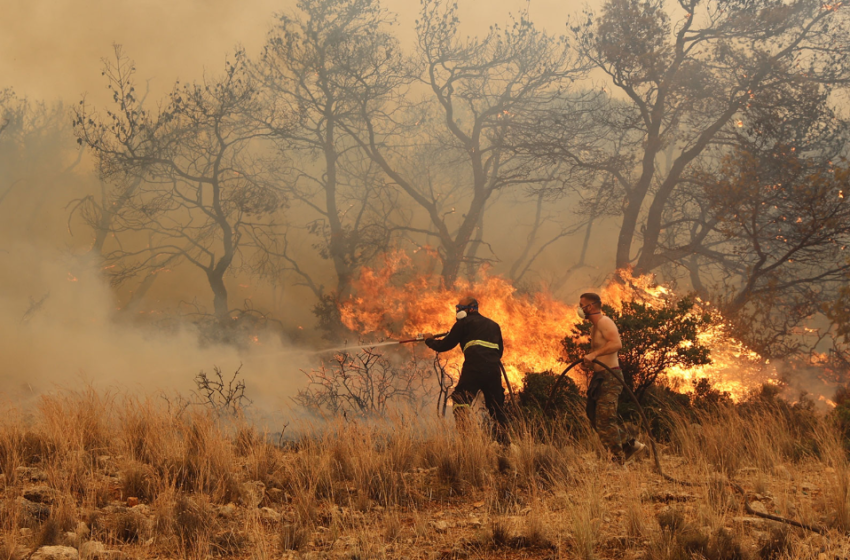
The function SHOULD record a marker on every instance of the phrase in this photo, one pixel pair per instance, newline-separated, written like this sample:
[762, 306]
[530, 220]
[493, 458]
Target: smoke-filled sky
[52, 49]
[57, 312]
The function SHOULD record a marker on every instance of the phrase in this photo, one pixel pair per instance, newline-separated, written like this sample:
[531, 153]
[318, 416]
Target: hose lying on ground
[735, 486]
[508, 383]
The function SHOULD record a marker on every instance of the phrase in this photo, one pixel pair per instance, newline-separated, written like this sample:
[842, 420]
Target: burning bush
[654, 338]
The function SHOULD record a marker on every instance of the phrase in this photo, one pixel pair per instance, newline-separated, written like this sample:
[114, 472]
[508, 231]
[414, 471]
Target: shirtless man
[604, 391]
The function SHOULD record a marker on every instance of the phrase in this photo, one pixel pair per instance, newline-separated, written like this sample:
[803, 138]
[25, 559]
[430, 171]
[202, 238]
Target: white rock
[31, 474]
[254, 492]
[227, 511]
[56, 553]
[72, 539]
[440, 526]
[782, 472]
[83, 529]
[142, 509]
[758, 506]
[92, 549]
[40, 494]
[268, 514]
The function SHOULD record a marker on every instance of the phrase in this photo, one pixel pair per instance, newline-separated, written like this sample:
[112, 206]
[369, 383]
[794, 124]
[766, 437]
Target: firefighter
[480, 339]
[603, 393]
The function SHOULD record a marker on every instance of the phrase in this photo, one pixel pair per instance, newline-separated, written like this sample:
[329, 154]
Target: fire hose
[421, 338]
[735, 486]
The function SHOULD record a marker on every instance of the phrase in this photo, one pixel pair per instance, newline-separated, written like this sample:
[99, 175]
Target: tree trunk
[452, 262]
[337, 243]
[627, 233]
[471, 269]
[216, 280]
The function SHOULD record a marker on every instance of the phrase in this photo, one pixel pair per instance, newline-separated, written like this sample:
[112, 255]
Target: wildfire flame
[396, 301]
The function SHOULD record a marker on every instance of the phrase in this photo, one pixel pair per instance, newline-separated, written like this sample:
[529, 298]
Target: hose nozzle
[420, 337]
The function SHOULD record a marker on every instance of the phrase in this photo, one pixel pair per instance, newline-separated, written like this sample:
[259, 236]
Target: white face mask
[584, 315]
[461, 314]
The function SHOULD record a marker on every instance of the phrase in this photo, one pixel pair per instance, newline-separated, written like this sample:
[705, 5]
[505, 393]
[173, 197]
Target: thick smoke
[62, 325]
[59, 331]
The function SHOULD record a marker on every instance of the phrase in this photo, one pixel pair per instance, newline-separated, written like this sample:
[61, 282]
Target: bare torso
[597, 341]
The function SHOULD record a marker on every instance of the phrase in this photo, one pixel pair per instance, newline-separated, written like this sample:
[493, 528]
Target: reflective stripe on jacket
[483, 343]
[480, 339]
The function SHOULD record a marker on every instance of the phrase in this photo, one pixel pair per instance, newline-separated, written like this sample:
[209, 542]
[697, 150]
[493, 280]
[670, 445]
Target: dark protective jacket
[480, 339]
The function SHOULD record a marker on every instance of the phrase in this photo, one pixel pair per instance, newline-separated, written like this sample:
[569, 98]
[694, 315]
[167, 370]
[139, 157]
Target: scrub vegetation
[114, 476]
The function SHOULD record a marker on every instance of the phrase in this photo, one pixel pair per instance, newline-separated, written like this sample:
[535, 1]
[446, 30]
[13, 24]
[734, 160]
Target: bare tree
[36, 158]
[323, 65]
[189, 185]
[452, 150]
[689, 87]
[781, 241]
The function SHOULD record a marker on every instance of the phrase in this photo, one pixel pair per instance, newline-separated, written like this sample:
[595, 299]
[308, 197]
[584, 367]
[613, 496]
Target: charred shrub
[223, 396]
[537, 389]
[565, 414]
[707, 398]
[330, 322]
[662, 406]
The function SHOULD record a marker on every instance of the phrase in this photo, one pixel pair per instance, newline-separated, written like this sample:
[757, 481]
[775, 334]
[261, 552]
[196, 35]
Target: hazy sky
[52, 49]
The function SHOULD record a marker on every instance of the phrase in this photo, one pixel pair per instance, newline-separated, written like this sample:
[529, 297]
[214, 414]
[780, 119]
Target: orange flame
[395, 301]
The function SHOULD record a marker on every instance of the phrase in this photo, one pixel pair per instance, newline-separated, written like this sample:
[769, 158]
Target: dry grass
[208, 487]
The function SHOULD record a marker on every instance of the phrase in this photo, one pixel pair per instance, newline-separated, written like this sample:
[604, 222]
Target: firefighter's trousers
[489, 382]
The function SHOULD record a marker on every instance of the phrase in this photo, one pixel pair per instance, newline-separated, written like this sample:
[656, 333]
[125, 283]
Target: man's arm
[612, 340]
[447, 342]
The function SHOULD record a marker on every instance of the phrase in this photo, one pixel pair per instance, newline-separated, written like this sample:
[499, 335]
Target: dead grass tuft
[194, 521]
[137, 480]
[49, 534]
[293, 536]
[389, 489]
[129, 527]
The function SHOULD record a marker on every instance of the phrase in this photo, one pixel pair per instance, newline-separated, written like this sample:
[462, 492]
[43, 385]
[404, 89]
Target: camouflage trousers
[603, 394]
